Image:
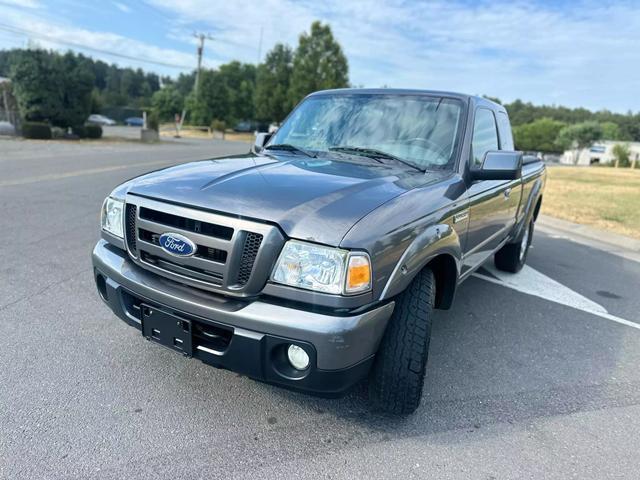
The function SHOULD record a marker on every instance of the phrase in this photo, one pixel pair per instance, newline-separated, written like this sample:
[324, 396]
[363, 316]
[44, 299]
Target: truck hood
[315, 199]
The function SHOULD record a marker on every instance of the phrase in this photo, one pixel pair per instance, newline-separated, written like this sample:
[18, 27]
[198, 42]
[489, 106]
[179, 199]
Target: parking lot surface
[535, 376]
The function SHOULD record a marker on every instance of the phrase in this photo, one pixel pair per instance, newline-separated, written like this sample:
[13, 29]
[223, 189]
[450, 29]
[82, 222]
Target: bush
[218, 126]
[93, 131]
[57, 132]
[80, 131]
[36, 130]
[621, 153]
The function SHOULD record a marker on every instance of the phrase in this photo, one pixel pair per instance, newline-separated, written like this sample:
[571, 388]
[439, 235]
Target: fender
[528, 208]
[436, 240]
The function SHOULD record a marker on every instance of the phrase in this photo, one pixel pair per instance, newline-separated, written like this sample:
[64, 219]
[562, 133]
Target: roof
[405, 91]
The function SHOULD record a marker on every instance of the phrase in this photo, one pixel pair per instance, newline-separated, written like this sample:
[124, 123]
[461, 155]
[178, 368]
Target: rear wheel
[397, 377]
[513, 256]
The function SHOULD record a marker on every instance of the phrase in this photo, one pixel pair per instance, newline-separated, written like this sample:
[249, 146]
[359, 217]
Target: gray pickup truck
[316, 260]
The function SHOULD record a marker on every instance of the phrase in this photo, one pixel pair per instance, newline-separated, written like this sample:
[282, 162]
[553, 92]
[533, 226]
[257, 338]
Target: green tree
[272, 84]
[212, 100]
[621, 153]
[52, 87]
[611, 131]
[167, 102]
[225, 94]
[493, 99]
[318, 64]
[539, 135]
[239, 81]
[579, 136]
[78, 80]
[37, 85]
[184, 83]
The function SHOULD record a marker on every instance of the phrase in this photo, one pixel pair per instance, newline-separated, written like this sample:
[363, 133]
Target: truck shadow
[490, 364]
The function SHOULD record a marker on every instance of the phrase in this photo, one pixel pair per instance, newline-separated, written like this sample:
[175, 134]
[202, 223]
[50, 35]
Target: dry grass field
[188, 132]
[606, 198]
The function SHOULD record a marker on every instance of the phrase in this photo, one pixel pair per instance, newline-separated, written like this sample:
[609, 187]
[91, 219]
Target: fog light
[298, 357]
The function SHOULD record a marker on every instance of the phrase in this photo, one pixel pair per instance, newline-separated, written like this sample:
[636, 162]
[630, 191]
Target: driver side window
[485, 136]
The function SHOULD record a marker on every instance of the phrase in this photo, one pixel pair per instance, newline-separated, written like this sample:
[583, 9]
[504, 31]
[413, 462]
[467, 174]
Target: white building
[600, 153]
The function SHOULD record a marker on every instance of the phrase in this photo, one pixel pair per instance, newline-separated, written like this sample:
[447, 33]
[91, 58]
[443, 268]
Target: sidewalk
[601, 239]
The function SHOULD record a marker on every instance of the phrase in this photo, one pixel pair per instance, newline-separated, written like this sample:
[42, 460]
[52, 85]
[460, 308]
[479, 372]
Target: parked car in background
[247, 126]
[243, 127]
[134, 121]
[97, 119]
[317, 259]
[7, 128]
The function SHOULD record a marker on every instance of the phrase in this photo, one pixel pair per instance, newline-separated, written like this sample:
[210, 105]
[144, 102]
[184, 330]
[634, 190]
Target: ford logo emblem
[176, 244]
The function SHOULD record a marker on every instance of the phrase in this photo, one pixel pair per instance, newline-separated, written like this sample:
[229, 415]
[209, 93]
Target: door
[491, 202]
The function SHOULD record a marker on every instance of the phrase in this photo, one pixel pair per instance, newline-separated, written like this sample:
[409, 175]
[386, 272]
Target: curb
[600, 239]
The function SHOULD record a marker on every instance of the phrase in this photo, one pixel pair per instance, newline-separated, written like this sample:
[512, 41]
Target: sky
[573, 53]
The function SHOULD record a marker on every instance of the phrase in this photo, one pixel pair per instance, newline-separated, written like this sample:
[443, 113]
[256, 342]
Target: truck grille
[194, 272]
[229, 257]
[131, 229]
[249, 252]
[207, 253]
[188, 224]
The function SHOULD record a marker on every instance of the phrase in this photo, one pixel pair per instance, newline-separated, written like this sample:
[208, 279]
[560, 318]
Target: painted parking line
[532, 282]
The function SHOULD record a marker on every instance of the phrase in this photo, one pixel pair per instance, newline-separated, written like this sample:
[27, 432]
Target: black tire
[513, 256]
[397, 377]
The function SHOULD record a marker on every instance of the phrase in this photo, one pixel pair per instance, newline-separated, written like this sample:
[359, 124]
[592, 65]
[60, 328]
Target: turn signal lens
[358, 274]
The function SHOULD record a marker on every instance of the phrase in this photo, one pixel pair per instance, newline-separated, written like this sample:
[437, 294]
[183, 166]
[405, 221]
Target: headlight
[322, 269]
[112, 218]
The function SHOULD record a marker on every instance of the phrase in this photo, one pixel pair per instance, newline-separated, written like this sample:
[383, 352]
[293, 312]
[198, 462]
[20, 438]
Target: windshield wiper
[290, 148]
[373, 153]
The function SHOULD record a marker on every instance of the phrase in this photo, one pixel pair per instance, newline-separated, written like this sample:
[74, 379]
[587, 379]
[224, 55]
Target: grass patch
[189, 132]
[606, 198]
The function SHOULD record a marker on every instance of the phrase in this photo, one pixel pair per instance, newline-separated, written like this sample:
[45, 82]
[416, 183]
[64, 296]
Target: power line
[29, 33]
[157, 12]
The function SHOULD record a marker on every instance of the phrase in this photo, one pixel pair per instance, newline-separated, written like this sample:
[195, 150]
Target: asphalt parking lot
[540, 379]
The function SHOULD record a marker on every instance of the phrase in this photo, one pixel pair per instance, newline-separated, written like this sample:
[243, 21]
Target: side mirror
[260, 141]
[499, 165]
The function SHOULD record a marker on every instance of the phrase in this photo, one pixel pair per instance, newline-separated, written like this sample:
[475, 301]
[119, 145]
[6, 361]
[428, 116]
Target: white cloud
[22, 3]
[578, 54]
[122, 7]
[62, 36]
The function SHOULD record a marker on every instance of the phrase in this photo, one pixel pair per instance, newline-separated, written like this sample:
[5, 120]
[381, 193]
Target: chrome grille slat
[157, 262]
[238, 265]
[195, 237]
[185, 224]
[193, 261]
[207, 253]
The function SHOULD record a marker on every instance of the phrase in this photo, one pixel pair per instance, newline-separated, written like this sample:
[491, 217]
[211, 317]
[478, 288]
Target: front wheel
[397, 377]
[513, 256]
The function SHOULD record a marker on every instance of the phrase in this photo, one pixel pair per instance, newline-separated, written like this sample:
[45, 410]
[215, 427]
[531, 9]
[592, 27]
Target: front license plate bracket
[168, 330]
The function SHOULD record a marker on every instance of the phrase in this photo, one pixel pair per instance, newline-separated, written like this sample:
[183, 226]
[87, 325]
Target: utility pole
[201, 38]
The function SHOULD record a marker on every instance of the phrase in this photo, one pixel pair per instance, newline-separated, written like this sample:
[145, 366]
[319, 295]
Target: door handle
[507, 193]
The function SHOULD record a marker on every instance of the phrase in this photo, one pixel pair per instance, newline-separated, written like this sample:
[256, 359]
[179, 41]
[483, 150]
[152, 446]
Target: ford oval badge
[176, 244]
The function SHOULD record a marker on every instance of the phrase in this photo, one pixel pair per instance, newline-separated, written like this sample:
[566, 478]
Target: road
[540, 379]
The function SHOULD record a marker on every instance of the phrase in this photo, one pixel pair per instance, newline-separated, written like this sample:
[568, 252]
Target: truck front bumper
[248, 337]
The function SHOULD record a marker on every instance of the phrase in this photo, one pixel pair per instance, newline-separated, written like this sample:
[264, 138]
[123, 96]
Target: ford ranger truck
[316, 260]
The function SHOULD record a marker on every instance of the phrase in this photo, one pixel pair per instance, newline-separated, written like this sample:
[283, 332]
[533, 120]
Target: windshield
[418, 129]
